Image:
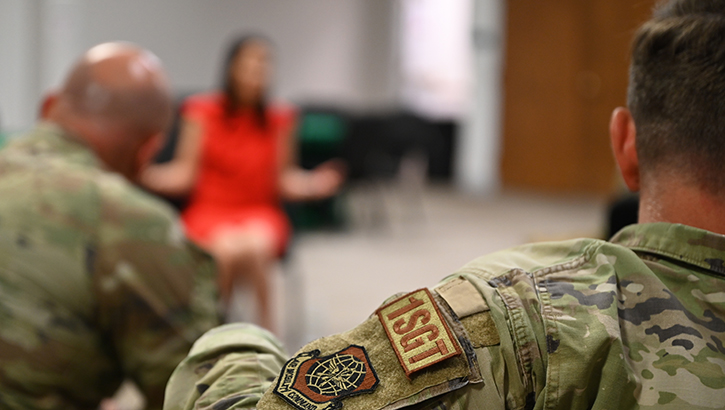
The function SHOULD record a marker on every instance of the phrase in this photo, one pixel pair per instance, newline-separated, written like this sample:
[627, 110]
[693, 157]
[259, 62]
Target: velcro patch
[417, 331]
[309, 382]
[462, 297]
[395, 389]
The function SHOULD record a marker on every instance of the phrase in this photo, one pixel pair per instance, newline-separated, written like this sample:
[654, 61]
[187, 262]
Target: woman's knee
[223, 250]
[244, 249]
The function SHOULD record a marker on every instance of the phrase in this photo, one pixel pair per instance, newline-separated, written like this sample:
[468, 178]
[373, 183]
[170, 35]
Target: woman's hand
[327, 178]
[320, 183]
[176, 178]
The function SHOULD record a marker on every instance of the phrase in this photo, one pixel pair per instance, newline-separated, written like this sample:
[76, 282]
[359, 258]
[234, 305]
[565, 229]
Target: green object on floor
[322, 128]
[320, 137]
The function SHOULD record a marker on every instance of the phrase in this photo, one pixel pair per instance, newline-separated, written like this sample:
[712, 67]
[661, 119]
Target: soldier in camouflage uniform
[637, 322]
[97, 282]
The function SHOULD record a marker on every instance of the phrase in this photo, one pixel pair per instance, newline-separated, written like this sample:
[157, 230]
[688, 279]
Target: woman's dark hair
[227, 82]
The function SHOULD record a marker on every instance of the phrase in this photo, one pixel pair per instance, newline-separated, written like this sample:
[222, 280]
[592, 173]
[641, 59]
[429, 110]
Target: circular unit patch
[308, 381]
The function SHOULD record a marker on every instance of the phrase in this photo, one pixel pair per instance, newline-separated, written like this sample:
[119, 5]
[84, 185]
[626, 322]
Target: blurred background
[468, 126]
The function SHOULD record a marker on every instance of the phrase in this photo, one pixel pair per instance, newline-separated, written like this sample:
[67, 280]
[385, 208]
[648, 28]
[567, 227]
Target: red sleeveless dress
[237, 181]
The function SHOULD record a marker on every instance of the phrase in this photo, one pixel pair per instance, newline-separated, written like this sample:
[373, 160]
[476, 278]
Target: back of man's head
[677, 91]
[116, 98]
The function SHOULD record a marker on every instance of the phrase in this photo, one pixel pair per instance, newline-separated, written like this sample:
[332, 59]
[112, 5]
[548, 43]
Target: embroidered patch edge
[448, 333]
[290, 375]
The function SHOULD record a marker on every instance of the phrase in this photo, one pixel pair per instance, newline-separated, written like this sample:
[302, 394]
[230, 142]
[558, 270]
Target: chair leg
[295, 309]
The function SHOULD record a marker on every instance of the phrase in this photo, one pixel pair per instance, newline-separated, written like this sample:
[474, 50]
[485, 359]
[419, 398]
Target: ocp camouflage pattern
[230, 367]
[634, 323]
[97, 282]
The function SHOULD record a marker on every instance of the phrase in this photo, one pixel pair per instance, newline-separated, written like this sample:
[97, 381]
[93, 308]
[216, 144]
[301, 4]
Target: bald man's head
[116, 98]
[120, 84]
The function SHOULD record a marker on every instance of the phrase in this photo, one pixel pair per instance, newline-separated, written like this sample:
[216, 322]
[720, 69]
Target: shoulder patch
[417, 331]
[310, 382]
[395, 388]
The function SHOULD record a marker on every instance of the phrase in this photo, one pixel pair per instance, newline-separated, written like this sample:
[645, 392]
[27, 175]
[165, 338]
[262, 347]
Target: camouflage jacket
[637, 322]
[97, 283]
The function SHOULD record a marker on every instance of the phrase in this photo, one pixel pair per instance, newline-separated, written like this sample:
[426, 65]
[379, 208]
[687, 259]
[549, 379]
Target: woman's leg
[246, 254]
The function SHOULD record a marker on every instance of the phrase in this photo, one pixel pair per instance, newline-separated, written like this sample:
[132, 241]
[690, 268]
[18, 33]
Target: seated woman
[235, 160]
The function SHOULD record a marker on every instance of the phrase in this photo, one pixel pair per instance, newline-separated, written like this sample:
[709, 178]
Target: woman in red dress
[235, 160]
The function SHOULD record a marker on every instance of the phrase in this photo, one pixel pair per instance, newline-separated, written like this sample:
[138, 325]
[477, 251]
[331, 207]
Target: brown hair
[677, 90]
[227, 79]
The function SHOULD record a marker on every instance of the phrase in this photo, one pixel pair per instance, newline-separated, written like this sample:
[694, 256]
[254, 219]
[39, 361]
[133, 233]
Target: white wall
[436, 57]
[324, 47]
[327, 50]
[479, 145]
[19, 55]
[451, 61]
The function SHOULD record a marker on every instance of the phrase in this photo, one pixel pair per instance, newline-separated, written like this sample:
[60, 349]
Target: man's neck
[683, 203]
[100, 141]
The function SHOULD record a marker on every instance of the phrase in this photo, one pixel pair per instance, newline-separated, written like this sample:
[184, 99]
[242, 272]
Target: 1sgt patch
[309, 382]
[419, 334]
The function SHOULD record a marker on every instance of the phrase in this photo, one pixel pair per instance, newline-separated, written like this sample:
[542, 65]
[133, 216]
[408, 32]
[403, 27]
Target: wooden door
[566, 70]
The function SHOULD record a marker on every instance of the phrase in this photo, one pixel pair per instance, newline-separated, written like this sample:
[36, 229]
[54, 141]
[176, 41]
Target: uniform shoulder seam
[588, 252]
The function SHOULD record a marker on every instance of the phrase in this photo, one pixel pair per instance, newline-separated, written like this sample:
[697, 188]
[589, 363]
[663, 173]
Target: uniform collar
[49, 138]
[674, 241]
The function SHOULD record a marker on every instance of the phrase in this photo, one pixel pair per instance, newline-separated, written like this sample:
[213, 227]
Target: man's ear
[47, 105]
[622, 133]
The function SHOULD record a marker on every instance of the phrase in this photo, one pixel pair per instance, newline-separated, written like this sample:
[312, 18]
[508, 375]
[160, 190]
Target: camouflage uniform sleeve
[475, 341]
[155, 291]
[458, 362]
[230, 367]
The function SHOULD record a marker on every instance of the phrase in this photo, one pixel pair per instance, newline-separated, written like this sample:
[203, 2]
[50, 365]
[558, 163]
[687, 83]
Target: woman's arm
[176, 178]
[297, 184]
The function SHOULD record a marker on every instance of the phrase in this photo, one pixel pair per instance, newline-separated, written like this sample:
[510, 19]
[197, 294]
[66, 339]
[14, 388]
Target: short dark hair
[677, 90]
